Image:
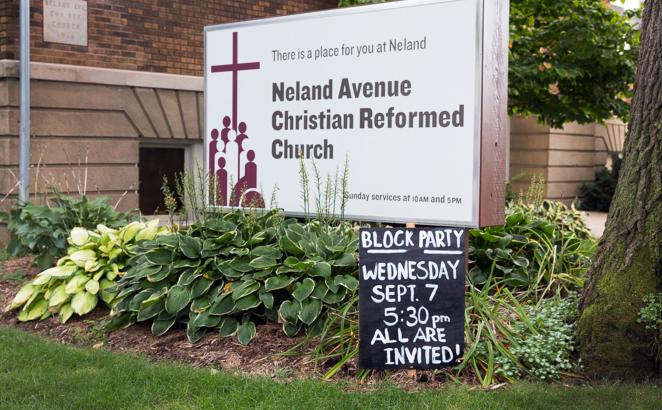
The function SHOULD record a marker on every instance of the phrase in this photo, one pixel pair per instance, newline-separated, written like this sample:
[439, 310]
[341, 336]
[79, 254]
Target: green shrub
[597, 195]
[42, 230]
[234, 272]
[651, 316]
[544, 340]
[541, 248]
[94, 259]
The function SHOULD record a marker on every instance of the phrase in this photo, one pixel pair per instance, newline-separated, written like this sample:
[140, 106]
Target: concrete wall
[87, 125]
[566, 157]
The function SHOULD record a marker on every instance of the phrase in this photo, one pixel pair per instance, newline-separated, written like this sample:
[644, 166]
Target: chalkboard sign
[411, 297]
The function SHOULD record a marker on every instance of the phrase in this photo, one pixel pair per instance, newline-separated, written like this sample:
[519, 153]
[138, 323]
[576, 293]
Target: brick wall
[144, 35]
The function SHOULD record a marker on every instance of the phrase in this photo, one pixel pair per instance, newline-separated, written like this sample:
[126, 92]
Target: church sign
[410, 95]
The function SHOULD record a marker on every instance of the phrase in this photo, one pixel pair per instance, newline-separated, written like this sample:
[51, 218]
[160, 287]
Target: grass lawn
[39, 374]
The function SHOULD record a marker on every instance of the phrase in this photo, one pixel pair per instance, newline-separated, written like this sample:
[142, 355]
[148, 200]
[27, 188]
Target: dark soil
[263, 356]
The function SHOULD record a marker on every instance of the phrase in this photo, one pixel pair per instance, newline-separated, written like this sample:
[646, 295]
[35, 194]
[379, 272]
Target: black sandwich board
[411, 297]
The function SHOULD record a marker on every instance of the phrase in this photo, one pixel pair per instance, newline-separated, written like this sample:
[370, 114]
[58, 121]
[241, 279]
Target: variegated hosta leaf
[246, 333]
[83, 302]
[79, 236]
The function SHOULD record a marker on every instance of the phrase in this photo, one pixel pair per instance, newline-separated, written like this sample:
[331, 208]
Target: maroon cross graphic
[235, 67]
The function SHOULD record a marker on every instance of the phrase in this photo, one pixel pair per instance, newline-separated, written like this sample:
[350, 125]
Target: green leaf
[346, 259]
[346, 281]
[262, 274]
[291, 328]
[289, 246]
[278, 282]
[60, 272]
[200, 304]
[76, 284]
[160, 275]
[267, 299]
[185, 263]
[178, 298]
[36, 310]
[194, 334]
[79, 236]
[58, 296]
[249, 302]
[161, 326]
[160, 256]
[303, 289]
[322, 269]
[263, 262]
[65, 313]
[246, 333]
[222, 305]
[22, 296]
[331, 298]
[83, 302]
[141, 296]
[82, 257]
[190, 247]
[241, 264]
[228, 326]
[245, 288]
[289, 310]
[204, 319]
[149, 310]
[270, 252]
[200, 287]
[310, 310]
[92, 286]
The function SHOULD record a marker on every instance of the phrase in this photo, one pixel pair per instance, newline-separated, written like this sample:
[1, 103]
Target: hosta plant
[94, 260]
[233, 272]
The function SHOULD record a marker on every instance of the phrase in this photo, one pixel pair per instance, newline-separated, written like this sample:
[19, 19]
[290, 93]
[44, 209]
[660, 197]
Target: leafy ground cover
[234, 272]
[101, 379]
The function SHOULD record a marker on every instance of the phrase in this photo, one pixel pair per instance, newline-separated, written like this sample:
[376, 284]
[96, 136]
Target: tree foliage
[570, 60]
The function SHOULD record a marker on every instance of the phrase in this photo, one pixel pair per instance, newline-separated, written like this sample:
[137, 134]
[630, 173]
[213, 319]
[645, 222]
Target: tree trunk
[628, 264]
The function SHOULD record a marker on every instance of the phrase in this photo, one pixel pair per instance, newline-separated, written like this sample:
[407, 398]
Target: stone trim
[106, 76]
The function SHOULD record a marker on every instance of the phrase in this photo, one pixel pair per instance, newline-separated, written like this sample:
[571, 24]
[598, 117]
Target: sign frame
[491, 120]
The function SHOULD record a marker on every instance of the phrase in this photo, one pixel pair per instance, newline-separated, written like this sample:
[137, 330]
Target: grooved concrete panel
[572, 142]
[54, 150]
[95, 178]
[173, 116]
[571, 158]
[570, 174]
[566, 157]
[152, 107]
[55, 122]
[189, 109]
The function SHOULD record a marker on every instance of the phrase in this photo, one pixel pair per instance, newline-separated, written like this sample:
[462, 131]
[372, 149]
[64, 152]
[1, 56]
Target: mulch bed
[263, 356]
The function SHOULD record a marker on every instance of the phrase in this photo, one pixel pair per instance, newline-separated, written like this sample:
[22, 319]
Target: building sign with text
[65, 22]
[394, 91]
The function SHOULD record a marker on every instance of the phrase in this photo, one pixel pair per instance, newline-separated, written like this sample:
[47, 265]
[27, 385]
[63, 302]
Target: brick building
[113, 82]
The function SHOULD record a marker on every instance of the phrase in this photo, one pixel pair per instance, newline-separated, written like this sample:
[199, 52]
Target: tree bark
[628, 263]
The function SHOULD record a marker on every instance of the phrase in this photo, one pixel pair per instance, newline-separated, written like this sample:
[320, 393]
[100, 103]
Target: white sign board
[65, 21]
[395, 89]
